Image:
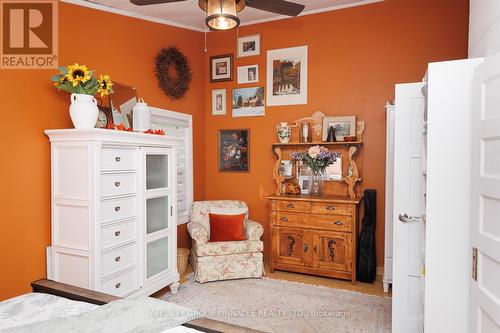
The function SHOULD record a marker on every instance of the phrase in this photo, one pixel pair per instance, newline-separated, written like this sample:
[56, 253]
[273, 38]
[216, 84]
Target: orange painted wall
[356, 56]
[121, 46]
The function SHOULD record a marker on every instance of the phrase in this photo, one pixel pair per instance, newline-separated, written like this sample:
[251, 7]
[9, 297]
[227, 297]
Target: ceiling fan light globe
[222, 14]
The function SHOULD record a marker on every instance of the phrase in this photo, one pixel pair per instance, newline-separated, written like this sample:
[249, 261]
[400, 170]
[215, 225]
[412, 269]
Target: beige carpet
[286, 307]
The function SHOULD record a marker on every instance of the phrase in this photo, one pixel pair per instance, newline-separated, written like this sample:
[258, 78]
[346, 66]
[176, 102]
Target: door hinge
[474, 263]
[171, 210]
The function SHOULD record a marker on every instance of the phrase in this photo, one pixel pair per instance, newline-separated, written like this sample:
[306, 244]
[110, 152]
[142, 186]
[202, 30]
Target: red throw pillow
[227, 227]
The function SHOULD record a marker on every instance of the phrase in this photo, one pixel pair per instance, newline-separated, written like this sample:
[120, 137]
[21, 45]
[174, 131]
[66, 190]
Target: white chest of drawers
[114, 216]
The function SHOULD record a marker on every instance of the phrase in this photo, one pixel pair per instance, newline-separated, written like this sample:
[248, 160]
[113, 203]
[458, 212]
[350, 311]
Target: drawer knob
[284, 219]
[117, 259]
[290, 206]
[305, 248]
[117, 208]
[117, 184]
[315, 248]
[118, 158]
[118, 285]
[330, 207]
[117, 233]
[338, 223]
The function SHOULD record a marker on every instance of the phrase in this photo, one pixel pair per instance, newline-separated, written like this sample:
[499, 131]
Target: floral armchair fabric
[214, 261]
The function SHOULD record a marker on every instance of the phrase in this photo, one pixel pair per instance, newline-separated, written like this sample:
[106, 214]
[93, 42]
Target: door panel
[332, 250]
[407, 305]
[291, 246]
[485, 290]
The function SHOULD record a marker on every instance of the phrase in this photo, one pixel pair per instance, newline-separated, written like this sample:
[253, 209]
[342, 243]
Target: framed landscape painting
[233, 152]
[248, 102]
[287, 76]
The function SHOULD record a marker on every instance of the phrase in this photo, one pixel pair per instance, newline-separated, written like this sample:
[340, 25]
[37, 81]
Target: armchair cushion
[201, 209]
[226, 248]
[253, 230]
[227, 227]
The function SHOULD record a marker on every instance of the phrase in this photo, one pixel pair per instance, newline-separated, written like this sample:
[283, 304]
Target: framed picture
[287, 76]
[343, 126]
[248, 102]
[305, 184]
[221, 68]
[248, 74]
[334, 171]
[233, 151]
[286, 168]
[248, 46]
[219, 102]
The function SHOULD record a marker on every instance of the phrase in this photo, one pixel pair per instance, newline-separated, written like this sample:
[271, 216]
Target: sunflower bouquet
[80, 80]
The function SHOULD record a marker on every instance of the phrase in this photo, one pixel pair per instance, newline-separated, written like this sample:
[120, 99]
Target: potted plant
[83, 86]
[317, 158]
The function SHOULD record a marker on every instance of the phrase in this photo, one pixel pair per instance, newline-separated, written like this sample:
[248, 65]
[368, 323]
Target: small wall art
[233, 152]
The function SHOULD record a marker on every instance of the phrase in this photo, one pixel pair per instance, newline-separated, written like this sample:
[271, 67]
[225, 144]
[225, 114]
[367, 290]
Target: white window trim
[162, 116]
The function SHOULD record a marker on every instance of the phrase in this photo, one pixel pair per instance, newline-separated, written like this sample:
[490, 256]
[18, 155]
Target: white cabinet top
[112, 136]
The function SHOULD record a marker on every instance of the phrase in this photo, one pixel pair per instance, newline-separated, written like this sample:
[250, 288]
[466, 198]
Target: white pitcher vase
[83, 111]
[284, 132]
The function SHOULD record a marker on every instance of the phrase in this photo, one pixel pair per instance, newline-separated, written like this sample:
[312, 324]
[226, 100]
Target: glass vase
[317, 182]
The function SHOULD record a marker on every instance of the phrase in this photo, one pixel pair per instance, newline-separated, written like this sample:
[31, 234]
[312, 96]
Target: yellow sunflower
[77, 74]
[105, 85]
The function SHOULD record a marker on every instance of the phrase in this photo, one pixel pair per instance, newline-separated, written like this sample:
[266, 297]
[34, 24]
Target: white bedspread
[44, 313]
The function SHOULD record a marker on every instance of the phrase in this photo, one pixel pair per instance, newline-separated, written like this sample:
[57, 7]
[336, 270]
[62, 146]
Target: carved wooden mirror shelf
[350, 151]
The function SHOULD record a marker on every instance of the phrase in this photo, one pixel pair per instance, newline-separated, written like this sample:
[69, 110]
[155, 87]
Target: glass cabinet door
[159, 187]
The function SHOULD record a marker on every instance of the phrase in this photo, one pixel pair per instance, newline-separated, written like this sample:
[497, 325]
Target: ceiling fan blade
[277, 6]
[152, 2]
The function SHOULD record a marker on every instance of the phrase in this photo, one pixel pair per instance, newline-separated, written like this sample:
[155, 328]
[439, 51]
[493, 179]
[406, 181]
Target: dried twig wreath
[174, 86]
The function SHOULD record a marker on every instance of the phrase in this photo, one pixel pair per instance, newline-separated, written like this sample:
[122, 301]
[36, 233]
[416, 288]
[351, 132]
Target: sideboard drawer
[293, 206]
[121, 285]
[330, 222]
[331, 208]
[290, 219]
[113, 261]
[118, 209]
[116, 234]
[117, 184]
[118, 159]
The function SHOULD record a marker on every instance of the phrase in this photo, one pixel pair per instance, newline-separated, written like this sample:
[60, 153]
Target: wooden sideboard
[315, 235]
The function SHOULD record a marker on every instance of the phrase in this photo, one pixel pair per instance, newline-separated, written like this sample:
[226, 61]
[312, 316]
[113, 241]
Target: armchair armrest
[198, 232]
[253, 230]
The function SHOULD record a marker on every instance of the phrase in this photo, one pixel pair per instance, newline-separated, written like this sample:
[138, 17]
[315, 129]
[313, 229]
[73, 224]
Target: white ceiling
[187, 14]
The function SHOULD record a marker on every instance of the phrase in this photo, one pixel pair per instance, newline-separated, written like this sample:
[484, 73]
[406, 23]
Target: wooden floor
[365, 288]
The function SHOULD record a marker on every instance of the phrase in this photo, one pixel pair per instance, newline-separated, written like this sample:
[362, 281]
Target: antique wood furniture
[89, 296]
[114, 211]
[317, 234]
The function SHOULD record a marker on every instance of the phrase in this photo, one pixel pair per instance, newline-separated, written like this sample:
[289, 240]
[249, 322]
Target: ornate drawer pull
[118, 285]
[290, 206]
[338, 223]
[118, 259]
[305, 248]
[330, 207]
[315, 248]
[284, 219]
[118, 158]
[117, 233]
[117, 208]
[117, 184]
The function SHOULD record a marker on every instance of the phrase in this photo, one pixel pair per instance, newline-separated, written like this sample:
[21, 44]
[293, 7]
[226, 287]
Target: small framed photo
[221, 68]
[305, 184]
[219, 102]
[248, 102]
[342, 126]
[286, 168]
[233, 152]
[334, 171]
[248, 46]
[248, 74]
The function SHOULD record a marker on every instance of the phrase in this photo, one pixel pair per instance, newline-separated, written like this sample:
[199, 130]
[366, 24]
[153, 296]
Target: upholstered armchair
[214, 261]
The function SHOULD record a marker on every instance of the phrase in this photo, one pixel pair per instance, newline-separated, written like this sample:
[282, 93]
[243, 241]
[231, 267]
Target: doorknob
[407, 219]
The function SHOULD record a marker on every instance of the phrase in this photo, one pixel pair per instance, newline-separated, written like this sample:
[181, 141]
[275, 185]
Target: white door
[485, 291]
[407, 302]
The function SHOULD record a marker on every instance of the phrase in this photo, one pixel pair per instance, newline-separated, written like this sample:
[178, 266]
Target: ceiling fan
[223, 14]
